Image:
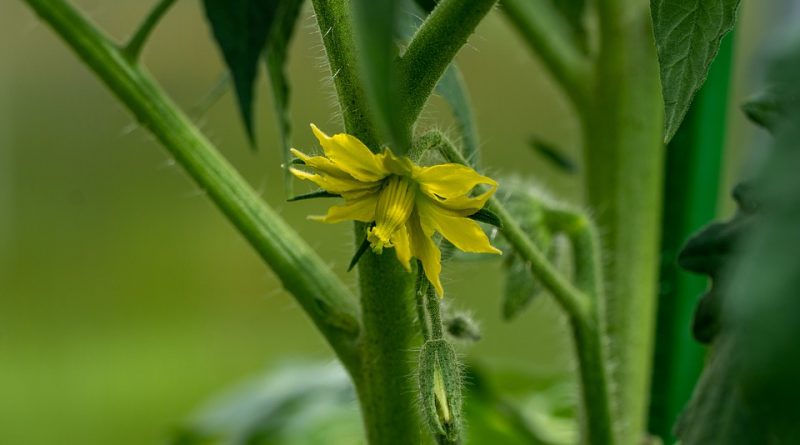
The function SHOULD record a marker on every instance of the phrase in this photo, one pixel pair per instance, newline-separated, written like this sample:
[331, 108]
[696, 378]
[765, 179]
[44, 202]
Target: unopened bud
[440, 388]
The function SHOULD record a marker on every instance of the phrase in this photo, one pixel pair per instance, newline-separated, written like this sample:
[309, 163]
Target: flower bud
[440, 388]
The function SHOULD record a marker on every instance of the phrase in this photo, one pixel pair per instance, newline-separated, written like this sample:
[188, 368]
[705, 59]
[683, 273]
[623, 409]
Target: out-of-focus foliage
[528, 204]
[311, 404]
[276, 54]
[553, 155]
[298, 404]
[688, 35]
[748, 393]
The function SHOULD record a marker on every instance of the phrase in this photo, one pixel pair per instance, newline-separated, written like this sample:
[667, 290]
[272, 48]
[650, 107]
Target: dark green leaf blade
[688, 35]
[376, 25]
[241, 28]
[276, 55]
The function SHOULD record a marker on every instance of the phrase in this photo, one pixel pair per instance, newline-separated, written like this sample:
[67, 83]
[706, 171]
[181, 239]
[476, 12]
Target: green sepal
[314, 194]
[488, 217]
[362, 249]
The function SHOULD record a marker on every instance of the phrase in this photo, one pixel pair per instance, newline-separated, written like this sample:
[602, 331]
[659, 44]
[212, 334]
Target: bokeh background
[126, 299]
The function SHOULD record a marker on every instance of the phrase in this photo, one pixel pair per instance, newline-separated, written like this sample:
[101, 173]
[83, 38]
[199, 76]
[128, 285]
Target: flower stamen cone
[407, 203]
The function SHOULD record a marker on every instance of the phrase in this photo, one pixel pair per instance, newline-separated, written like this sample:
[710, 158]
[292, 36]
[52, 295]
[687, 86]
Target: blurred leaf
[241, 28]
[297, 404]
[451, 86]
[748, 393]
[544, 417]
[276, 54]
[376, 25]
[573, 11]
[688, 35]
[554, 155]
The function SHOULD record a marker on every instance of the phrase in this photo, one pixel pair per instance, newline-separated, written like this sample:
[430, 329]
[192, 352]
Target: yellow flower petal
[464, 233]
[423, 247]
[351, 155]
[450, 180]
[362, 209]
[402, 247]
[348, 187]
[321, 164]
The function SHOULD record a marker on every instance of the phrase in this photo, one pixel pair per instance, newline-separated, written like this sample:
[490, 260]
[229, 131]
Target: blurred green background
[126, 299]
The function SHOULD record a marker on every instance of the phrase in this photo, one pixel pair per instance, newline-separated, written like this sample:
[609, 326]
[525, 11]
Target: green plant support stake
[691, 189]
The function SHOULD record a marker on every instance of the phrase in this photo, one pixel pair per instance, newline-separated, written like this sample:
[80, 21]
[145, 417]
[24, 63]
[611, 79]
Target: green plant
[611, 75]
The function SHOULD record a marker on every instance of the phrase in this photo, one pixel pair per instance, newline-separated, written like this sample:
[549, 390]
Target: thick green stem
[323, 296]
[386, 388]
[433, 48]
[624, 151]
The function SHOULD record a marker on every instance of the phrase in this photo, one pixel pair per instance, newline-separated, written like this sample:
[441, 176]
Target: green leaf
[376, 25]
[293, 405]
[452, 88]
[748, 393]
[688, 35]
[276, 55]
[241, 29]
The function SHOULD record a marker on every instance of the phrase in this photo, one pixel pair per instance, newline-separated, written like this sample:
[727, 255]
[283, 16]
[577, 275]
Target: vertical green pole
[691, 190]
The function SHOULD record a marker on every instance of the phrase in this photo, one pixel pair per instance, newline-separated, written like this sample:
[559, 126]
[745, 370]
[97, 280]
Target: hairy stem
[386, 388]
[133, 48]
[433, 48]
[323, 296]
[624, 151]
[592, 356]
[583, 305]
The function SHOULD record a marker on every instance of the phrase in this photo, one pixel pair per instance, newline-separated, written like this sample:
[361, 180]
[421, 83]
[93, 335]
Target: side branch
[434, 46]
[538, 24]
[133, 48]
[574, 302]
[318, 290]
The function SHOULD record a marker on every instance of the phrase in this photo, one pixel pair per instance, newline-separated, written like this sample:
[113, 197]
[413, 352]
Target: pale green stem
[323, 296]
[385, 386]
[133, 48]
[624, 157]
[583, 305]
[543, 30]
[433, 48]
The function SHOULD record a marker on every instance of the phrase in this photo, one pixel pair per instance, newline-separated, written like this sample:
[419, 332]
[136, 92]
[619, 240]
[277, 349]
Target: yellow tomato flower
[407, 203]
